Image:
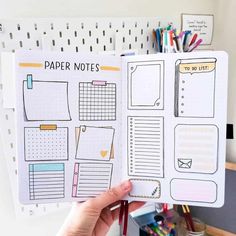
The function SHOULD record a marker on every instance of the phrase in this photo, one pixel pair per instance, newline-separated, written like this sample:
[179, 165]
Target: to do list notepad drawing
[158, 120]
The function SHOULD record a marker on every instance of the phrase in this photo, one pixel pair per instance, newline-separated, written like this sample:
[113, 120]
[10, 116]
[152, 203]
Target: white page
[176, 153]
[68, 124]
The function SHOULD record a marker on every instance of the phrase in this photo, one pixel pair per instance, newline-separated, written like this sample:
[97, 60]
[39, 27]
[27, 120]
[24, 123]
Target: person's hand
[95, 216]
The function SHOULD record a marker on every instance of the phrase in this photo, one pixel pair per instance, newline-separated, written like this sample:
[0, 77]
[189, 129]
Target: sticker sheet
[86, 122]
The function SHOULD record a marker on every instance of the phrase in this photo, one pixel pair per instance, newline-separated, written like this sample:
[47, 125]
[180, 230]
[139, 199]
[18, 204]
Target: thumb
[112, 195]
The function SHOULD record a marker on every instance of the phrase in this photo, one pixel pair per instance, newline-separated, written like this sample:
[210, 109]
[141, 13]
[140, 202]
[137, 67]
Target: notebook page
[68, 125]
[174, 127]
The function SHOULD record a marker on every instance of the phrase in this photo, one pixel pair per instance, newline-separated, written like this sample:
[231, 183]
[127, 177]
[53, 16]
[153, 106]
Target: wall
[168, 10]
[224, 217]
[75, 8]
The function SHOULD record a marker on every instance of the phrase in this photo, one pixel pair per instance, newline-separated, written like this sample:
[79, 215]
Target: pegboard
[69, 35]
[76, 35]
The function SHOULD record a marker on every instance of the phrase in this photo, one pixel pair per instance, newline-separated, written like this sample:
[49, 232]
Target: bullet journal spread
[86, 122]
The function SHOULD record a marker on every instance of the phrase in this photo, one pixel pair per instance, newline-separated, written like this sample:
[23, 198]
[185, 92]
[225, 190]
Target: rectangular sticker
[91, 179]
[192, 75]
[45, 100]
[145, 188]
[100, 141]
[46, 181]
[192, 190]
[146, 85]
[97, 101]
[196, 148]
[47, 143]
[145, 146]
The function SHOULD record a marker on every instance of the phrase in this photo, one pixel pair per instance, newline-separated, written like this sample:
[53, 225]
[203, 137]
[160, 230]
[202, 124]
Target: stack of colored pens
[167, 40]
[156, 229]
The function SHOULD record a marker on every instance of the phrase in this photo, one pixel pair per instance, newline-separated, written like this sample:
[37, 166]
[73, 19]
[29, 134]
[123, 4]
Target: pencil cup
[199, 226]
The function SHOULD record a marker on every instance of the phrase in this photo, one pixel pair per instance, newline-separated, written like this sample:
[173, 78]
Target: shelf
[230, 166]
[213, 231]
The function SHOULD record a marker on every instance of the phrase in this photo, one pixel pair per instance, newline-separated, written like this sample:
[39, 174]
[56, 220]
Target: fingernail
[126, 186]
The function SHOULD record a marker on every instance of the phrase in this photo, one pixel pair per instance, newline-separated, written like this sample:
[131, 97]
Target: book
[86, 122]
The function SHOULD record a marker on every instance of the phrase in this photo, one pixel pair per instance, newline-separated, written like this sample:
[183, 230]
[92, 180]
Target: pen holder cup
[199, 226]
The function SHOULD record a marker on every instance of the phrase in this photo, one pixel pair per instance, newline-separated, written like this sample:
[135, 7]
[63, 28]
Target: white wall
[48, 225]
[75, 8]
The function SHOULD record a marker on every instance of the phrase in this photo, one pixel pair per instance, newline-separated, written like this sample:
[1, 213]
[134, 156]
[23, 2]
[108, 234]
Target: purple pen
[195, 45]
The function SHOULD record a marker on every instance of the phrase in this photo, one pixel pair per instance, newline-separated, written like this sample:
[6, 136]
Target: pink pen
[181, 34]
[195, 45]
[194, 38]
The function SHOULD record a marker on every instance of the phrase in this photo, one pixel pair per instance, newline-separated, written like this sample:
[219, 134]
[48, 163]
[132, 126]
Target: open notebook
[86, 122]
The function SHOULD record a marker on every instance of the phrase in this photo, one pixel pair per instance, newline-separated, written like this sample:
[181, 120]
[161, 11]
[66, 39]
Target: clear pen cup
[199, 226]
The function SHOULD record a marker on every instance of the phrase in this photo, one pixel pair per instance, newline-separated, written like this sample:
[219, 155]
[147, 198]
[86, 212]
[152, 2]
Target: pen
[155, 39]
[158, 37]
[128, 54]
[181, 35]
[176, 44]
[185, 37]
[165, 42]
[171, 49]
[169, 26]
[195, 45]
[149, 230]
[193, 39]
[186, 41]
[180, 44]
[160, 229]
[188, 218]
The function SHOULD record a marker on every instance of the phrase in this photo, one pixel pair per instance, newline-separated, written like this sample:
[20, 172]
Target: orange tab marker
[48, 127]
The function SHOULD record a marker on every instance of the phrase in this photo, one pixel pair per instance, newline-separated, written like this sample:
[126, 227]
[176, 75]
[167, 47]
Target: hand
[95, 216]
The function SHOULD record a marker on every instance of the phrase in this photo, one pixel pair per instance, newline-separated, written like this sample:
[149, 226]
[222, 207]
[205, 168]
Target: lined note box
[46, 181]
[196, 148]
[192, 75]
[91, 179]
[145, 146]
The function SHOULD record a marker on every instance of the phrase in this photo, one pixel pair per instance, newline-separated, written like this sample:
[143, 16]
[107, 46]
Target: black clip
[230, 131]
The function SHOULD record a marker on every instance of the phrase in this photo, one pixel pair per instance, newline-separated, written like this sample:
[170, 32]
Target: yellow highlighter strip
[110, 68]
[29, 64]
